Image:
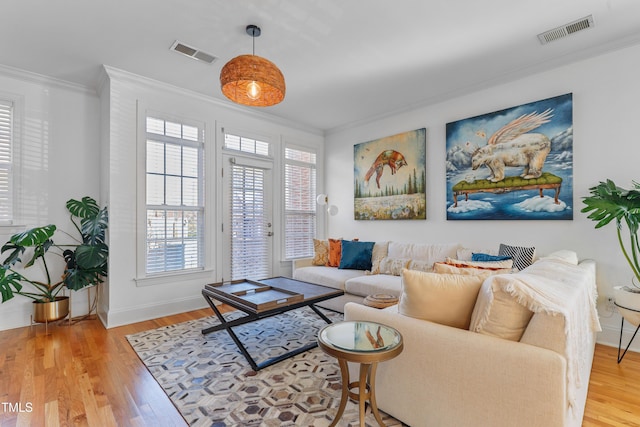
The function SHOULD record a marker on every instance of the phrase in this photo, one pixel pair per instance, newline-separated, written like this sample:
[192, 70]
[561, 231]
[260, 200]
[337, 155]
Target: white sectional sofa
[357, 284]
[482, 376]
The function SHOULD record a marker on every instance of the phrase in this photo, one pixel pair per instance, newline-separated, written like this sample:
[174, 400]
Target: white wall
[605, 91]
[58, 156]
[128, 299]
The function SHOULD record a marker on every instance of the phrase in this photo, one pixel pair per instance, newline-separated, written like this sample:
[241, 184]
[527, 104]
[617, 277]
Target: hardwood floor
[85, 375]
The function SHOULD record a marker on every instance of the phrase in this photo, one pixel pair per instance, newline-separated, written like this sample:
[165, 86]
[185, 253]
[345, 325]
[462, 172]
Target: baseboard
[18, 314]
[610, 336]
[114, 318]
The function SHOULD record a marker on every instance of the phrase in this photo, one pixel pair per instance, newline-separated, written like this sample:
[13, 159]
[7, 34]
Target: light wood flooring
[85, 375]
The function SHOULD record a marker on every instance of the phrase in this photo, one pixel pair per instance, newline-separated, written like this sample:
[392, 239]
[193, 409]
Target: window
[300, 202]
[246, 145]
[174, 196]
[6, 162]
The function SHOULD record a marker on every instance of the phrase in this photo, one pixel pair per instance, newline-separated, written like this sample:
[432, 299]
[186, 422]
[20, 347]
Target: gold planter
[44, 312]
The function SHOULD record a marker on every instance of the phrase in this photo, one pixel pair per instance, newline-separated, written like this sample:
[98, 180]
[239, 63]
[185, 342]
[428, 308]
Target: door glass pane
[250, 243]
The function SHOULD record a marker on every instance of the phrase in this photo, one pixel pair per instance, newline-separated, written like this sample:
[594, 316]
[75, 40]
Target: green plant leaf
[93, 229]
[9, 284]
[92, 256]
[76, 279]
[608, 202]
[39, 252]
[33, 237]
[14, 256]
[85, 208]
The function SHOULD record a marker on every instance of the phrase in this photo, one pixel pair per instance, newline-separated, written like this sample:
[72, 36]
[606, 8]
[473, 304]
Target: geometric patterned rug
[211, 383]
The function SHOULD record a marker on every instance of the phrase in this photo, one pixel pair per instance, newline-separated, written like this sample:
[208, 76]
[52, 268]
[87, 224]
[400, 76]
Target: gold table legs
[366, 391]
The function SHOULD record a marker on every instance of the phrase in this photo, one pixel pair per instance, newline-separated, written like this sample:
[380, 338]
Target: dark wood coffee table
[265, 298]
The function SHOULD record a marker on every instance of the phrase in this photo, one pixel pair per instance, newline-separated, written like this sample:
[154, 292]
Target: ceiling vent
[565, 30]
[192, 52]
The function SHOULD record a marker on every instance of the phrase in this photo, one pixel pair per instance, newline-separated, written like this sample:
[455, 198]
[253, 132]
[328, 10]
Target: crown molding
[128, 77]
[32, 77]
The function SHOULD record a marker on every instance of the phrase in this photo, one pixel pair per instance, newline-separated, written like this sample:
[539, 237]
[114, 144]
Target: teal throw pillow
[356, 255]
[487, 257]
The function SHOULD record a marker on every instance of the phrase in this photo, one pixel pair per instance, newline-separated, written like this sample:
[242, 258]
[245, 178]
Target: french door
[247, 218]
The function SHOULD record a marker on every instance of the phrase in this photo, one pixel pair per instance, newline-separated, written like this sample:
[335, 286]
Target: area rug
[211, 384]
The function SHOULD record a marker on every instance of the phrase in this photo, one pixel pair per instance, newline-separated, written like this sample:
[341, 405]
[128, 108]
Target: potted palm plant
[607, 203]
[85, 260]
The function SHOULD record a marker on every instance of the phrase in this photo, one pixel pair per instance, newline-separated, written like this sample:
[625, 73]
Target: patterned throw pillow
[444, 268]
[420, 265]
[488, 265]
[392, 266]
[522, 256]
[321, 252]
[335, 252]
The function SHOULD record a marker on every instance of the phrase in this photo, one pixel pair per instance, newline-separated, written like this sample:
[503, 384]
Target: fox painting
[391, 158]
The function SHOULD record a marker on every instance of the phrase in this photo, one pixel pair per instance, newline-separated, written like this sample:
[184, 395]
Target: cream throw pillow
[447, 299]
[497, 313]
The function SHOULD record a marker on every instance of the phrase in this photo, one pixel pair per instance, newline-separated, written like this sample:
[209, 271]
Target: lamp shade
[252, 80]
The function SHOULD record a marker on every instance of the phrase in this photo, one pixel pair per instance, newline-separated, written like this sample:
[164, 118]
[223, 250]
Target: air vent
[192, 52]
[565, 30]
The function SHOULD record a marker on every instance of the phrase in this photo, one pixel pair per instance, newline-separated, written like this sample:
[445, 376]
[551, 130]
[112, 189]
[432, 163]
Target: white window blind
[246, 145]
[174, 196]
[250, 253]
[300, 202]
[6, 162]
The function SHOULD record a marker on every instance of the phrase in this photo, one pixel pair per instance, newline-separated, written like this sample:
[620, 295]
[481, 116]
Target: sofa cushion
[380, 250]
[327, 276]
[497, 313]
[320, 252]
[564, 255]
[422, 251]
[335, 251]
[356, 255]
[447, 299]
[370, 285]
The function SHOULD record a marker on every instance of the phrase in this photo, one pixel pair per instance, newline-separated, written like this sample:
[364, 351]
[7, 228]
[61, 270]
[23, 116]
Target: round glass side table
[366, 343]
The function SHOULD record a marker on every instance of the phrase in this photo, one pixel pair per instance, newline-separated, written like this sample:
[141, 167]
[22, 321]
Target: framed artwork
[512, 164]
[389, 177]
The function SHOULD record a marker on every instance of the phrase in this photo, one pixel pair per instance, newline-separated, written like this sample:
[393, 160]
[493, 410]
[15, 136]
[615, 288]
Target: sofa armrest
[461, 378]
[302, 262]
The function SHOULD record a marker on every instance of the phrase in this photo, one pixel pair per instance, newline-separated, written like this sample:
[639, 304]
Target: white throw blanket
[560, 288]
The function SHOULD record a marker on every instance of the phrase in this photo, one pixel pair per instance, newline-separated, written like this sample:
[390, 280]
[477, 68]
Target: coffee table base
[250, 317]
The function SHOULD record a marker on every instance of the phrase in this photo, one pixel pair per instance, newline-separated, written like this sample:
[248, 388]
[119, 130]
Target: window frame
[205, 269]
[14, 223]
[294, 146]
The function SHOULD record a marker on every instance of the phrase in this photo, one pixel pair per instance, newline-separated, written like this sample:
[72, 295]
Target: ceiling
[344, 61]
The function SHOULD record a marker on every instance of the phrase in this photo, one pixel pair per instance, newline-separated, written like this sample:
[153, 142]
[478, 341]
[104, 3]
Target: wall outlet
[610, 306]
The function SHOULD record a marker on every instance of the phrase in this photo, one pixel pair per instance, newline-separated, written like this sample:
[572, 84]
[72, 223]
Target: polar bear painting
[511, 145]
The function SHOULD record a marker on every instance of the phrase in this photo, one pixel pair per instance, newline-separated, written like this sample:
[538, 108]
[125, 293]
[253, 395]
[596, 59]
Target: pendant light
[252, 80]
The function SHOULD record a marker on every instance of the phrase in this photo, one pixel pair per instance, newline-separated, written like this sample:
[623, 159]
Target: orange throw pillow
[335, 252]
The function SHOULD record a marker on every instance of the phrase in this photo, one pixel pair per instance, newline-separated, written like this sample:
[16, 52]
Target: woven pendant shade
[238, 73]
